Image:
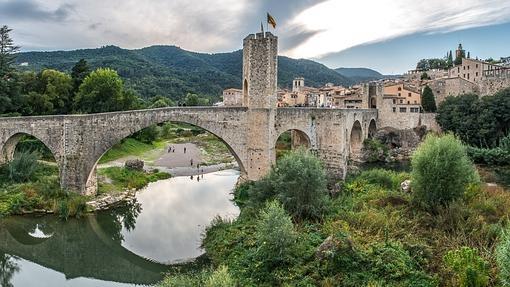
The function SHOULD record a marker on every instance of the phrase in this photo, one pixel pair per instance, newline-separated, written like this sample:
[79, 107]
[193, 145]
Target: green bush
[185, 280]
[469, 268]
[298, 181]
[441, 171]
[375, 150]
[492, 156]
[392, 263]
[382, 177]
[503, 258]
[23, 166]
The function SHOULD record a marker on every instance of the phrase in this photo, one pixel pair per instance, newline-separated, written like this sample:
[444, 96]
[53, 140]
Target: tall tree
[428, 101]
[7, 51]
[449, 61]
[80, 70]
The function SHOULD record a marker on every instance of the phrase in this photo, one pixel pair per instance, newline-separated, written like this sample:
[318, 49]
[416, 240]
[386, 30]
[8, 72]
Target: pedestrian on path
[184, 149]
[191, 161]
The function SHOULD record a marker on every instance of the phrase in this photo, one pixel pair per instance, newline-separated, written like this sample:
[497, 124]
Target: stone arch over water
[91, 182]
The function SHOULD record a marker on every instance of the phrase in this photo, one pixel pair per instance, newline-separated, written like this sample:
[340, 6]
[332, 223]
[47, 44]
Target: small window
[401, 101]
[399, 88]
[408, 102]
[394, 109]
[409, 94]
[403, 110]
[399, 94]
[476, 74]
[394, 101]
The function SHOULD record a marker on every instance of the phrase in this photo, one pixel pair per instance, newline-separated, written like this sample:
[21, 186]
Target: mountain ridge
[172, 71]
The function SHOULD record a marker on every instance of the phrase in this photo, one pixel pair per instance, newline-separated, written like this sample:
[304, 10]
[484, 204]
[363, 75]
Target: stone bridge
[250, 132]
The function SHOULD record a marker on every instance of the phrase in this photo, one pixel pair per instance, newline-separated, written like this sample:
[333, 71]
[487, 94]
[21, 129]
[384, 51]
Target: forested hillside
[173, 72]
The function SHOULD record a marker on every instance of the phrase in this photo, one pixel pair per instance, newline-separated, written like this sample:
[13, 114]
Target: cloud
[344, 24]
[32, 10]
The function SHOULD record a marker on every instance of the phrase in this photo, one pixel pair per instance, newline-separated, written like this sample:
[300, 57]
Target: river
[132, 245]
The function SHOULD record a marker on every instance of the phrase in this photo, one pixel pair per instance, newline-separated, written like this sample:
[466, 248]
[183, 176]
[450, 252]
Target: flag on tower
[271, 20]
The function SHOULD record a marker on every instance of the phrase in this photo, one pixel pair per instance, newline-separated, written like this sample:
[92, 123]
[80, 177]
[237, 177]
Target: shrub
[503, 258]
[298, 180]
[469, 268]
[375, 150]
[382, 177]
[441, 171]
[23, 166]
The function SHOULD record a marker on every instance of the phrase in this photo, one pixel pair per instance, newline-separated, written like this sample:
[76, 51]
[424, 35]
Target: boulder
[134, 164]
[405, 186]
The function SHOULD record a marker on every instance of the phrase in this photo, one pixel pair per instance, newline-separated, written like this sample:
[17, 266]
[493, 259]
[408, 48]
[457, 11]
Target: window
[403, 110]
[476, 74]
[399, 88]
[394, 109]
[468, 76]
[409, 94]
[399, 94]
[401, 101]
[468, 67]
[394, 101]
[415, 110]
[408, 102]
[464, 75]
[477, 66]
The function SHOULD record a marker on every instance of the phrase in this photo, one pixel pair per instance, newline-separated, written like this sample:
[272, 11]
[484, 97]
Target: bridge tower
[260, 69]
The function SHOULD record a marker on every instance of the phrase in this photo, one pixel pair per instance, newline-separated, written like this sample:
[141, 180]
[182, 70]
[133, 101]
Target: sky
[387, 35]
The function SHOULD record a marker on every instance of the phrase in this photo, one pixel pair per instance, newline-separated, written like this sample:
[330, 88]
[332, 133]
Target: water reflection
[121, 247]
[8, 267]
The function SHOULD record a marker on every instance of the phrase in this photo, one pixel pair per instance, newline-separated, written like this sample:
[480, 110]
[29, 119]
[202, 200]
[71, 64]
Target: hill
[360, 74]
[172, 72]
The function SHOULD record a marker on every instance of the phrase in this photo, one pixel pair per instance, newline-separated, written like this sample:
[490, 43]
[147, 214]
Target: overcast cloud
[307, 28]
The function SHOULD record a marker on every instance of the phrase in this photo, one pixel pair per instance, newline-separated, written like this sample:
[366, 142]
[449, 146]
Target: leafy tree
[478, 122]
[424, 76]
[276, 240]
[80, 70]
[103, 91]
[298, 181]
[58, 88]
[160, 102]
[7, 51]
[441, 171]
[469, 268]
[195, 100]
[428, 101]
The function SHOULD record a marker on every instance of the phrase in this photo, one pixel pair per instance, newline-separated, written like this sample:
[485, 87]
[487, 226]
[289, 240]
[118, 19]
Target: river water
[128, 246]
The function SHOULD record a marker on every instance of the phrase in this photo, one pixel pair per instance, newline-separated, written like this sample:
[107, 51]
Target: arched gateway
[79, 141]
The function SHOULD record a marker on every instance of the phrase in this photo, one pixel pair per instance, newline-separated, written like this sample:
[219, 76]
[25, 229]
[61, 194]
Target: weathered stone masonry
[250, 132]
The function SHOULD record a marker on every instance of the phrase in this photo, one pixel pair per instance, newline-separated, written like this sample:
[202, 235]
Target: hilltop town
[399, 99]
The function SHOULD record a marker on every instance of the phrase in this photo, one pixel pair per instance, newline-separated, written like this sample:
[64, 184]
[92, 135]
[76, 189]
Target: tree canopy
[428, 101]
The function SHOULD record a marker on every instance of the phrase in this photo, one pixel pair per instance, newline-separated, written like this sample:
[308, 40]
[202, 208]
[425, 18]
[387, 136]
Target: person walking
[184, 149]
[191, 161]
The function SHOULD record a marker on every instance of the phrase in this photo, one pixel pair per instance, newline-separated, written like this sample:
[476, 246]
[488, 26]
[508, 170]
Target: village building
[233, 98]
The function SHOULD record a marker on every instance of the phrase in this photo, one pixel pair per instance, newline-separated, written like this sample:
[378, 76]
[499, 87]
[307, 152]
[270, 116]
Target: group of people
[171, 149]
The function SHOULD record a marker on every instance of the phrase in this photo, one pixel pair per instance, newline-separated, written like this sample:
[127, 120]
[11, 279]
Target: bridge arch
[8, 146]
[356, 140]
[372, 129]
[291, 139]
[227, 139]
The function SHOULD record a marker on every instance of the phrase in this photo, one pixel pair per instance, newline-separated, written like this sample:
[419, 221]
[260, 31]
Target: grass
[122, 178]
[127, 147]
[42, 192]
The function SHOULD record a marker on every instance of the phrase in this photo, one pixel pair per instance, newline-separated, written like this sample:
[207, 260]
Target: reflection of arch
[356, 139]
[91, 170]
[372, 129]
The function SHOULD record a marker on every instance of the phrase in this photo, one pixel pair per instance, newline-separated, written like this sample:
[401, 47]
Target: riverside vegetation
[450, 230]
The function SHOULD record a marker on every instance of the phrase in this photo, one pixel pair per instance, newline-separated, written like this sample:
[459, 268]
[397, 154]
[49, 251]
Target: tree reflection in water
[115, 219]
[8, 267]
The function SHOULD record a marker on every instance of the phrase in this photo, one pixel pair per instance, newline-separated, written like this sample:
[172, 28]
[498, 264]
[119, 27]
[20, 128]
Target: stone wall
[443, 88]
[491, 85]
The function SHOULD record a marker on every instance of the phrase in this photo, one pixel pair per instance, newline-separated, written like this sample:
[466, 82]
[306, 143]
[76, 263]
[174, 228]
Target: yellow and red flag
[271, 20]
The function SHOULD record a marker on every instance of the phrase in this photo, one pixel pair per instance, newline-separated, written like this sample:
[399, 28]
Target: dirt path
[177, 163]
